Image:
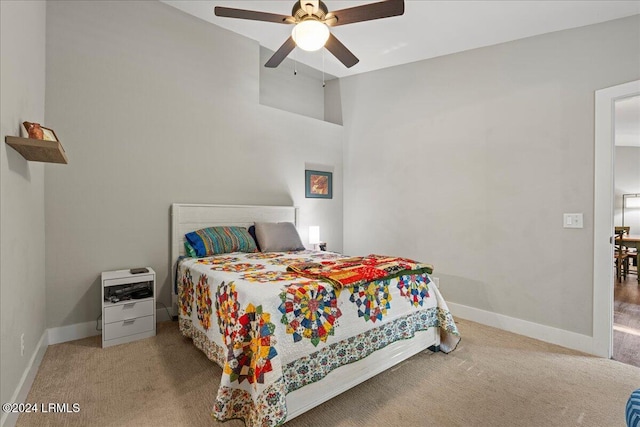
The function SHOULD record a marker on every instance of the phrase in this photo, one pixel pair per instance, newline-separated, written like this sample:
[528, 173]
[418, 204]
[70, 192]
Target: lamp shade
[310, 35]
[314, 234]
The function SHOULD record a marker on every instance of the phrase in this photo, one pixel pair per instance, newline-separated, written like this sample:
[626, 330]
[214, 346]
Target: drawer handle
[128, 321]
[129, 305]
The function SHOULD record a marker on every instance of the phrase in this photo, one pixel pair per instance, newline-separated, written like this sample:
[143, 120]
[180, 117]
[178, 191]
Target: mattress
[274, 331]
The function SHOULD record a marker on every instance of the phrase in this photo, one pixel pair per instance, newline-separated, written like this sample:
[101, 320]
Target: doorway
[603, 277]
[626, 214]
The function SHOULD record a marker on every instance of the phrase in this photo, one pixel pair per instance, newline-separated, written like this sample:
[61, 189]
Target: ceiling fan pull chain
[295, 62]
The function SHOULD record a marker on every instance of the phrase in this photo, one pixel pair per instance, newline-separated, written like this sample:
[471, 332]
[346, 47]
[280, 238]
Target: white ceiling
[426, 30]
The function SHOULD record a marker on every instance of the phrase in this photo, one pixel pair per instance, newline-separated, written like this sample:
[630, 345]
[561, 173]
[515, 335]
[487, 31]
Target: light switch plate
[573, 220]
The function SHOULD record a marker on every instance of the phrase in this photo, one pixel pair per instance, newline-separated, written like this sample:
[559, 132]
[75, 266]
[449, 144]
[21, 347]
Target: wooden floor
[626, 321]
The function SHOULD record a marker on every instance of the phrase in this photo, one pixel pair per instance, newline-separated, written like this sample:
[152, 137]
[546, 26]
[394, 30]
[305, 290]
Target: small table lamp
[314, 235]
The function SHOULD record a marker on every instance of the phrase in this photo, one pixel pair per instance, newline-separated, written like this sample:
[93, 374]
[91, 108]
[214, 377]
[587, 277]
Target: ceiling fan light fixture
[313, 21]
[310, 35]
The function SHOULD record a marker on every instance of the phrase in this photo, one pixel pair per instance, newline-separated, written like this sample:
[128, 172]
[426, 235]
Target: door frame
[603, 213]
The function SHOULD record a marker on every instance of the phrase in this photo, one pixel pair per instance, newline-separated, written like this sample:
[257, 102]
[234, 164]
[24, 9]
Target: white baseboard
[88, 329]
[72, 332]
[56, 336]
[529, 329]
[22, 390]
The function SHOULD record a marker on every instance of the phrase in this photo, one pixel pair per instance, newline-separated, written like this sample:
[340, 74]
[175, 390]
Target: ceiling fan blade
[228, 12]
[341, 52]
[281, 53]
[367, 12]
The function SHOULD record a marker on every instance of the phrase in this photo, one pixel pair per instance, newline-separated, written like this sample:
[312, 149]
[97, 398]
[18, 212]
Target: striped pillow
[633, 409]
[221, 240]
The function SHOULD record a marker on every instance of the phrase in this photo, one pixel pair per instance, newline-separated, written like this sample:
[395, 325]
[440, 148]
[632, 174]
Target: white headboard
[190, 217]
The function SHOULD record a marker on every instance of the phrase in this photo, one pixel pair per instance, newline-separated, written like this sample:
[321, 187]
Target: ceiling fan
[312, 20]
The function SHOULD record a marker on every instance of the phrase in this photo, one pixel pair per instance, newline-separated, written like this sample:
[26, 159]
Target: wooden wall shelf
[38, 150]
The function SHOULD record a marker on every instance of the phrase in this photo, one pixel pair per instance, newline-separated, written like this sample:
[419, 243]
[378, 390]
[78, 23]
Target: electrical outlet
[22, 345]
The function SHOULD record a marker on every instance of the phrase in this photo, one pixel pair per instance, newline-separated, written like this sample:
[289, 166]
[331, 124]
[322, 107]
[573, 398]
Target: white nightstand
[125, 318]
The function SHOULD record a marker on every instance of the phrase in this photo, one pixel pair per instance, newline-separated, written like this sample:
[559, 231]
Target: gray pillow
[278, 237]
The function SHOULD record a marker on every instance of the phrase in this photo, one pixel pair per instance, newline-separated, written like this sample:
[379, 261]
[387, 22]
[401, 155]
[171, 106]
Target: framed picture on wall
[49, 134]
[318, 184]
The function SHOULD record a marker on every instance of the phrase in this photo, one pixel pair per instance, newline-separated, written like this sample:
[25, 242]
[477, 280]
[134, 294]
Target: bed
[286, 338]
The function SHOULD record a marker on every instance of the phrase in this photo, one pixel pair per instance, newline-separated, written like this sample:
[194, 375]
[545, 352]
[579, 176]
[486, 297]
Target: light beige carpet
[494, 378]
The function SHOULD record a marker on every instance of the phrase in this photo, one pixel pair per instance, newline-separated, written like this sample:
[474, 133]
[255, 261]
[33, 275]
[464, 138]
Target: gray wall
[154, 106]
[333, 102]
[298, 88]
[300, 93]
[22, 274]
[468, 161]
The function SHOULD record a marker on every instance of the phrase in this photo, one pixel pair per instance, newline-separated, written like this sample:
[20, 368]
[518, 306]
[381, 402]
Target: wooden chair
[631, 252]
[620, 256]
[625, 257]
[623, 230]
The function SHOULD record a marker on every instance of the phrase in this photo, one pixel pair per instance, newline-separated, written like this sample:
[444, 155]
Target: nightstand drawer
[128, 310]
[128, 327]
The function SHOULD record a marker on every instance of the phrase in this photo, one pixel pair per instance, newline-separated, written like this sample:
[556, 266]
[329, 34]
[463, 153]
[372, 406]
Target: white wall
[154, 106]
[292, 87]
[22, 256]
[468, 161]
[627, 181]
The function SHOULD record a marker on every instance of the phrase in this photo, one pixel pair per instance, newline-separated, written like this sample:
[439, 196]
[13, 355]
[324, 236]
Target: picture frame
[49, 134]
[318, 184]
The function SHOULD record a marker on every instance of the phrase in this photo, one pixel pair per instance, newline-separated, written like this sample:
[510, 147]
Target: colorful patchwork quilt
[273, 330]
